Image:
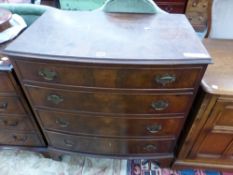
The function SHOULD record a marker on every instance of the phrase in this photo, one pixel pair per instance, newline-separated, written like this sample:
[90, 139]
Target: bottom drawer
[110, 146]
[16, 138]
[162, 161]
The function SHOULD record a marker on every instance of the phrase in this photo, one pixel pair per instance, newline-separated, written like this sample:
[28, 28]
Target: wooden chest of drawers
[17, 126]
[111, 89]
[209, 142]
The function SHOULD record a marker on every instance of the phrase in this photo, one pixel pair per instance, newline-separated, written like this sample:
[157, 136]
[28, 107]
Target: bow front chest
[110, 84]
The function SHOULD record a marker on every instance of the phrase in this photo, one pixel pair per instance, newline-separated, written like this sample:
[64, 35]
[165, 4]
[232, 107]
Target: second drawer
[110, 126]
[110, 101]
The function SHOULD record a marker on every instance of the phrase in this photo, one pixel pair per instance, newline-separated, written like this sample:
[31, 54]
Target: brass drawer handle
[47, 74]
[165, 79]
[154, 128]
[62, 123]
[150, 148]
[3, 105]
[160, 105]
[56, 99]
[9, 123]
[20, 138]
[68, 143]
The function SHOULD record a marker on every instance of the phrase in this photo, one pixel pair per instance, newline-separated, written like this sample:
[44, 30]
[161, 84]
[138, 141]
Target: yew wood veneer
[118, 85]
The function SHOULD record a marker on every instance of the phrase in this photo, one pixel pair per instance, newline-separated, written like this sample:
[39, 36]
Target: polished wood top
[218, 78]
[111, 38]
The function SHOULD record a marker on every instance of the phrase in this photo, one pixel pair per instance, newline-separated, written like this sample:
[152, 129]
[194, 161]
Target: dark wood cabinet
[115, 90]
[216, 138]
[17, 125]
[209, 142]
[172, 6]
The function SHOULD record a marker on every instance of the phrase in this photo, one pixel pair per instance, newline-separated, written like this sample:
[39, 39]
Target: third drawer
[111, 126]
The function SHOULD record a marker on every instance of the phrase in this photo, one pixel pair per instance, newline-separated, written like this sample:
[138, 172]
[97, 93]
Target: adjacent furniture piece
[110, 84]
[17, 125]
[15, 1]
[197, 13]
[29, 12]
[209, 142]
[220, 19]
[131, 6]
[51, 3]
[172, 6]
[81, 5]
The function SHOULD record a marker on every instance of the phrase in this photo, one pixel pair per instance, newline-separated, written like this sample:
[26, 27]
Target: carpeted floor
[15, 162]
[145, 167]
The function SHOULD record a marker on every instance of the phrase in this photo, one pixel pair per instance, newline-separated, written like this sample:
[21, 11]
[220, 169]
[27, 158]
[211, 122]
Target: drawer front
[172, 8]
[109, 146]
[16, 123]
[11, 105]
[223, 112]
[110, 126]
[109, 101]
[215, 145]
[111, 77]
[6, 85]
[16, 138]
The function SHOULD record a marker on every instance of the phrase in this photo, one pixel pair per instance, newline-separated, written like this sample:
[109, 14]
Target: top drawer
[104, 76]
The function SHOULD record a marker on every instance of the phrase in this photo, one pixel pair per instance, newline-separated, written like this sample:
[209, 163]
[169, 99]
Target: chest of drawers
[112, 84]
[17, 125]
[209, 142]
